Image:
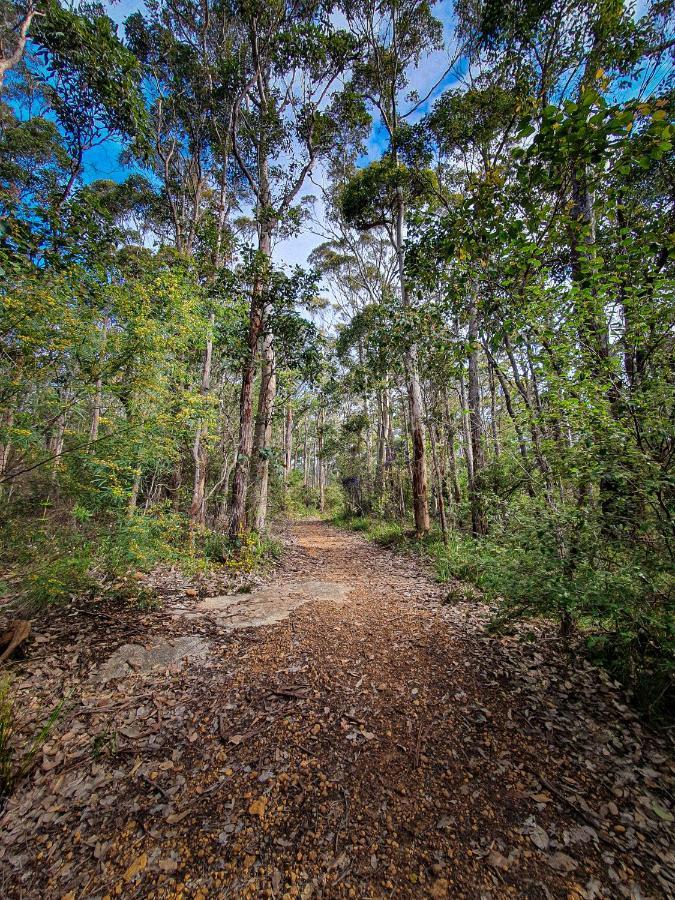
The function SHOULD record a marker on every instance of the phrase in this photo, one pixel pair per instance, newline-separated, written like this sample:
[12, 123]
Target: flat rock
[134, 658]
[270, 605]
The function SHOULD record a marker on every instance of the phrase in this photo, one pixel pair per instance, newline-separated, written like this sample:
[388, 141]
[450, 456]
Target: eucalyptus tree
[542, 220]
[89, 80]
[73, 85]
[395, 36]
[187, 53]
[471, 132]
[15, 22]
[286, 98]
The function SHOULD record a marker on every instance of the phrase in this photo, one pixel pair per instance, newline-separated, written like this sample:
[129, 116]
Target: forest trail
[372, 743]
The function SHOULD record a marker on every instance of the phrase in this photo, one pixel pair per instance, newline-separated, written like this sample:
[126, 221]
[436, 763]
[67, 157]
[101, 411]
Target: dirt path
[372, 743]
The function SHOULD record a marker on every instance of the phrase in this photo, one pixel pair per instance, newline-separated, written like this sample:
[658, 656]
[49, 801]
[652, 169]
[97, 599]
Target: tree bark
[245, 445]
[479, 525]
[305, 458]
[322, 475]
[452, 459]
[439, 485]
[415, 406]
[197, 511]
[98, 388]
[13, 58]
[493, 412]
[7, 422]
[135, 488]
[288, 442]
[262, 437]
[382, 435]
[266, 225]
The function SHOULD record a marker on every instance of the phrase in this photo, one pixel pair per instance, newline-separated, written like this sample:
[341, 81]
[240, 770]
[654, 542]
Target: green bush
[618, 596]
[143, 540]
[244, 554]
[57, 578]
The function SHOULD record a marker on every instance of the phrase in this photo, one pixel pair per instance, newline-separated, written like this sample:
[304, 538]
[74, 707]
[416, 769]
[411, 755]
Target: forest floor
[340, 732]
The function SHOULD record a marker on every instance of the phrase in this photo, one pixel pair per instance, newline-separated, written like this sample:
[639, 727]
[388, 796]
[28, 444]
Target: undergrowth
[299, 501]
[616, 598]
[244, 554]
[53, 558]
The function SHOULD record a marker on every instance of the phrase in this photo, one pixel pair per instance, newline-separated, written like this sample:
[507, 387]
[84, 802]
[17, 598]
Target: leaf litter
[382, 745]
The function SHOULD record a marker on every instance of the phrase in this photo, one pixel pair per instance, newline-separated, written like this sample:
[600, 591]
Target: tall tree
[395, 36]
[291, 57]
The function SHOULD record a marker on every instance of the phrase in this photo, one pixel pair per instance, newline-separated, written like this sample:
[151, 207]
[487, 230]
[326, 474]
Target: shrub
[244, 554]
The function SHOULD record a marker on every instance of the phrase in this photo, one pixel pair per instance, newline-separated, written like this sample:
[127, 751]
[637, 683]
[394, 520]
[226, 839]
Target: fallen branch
[16, 635]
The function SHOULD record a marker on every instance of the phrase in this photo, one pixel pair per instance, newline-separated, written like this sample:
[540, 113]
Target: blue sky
[103, 161]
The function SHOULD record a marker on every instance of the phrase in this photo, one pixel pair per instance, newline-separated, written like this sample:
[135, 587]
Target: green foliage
[369, 199]
[84, 57]
[302, 502]
[244, 554]
[63, 572]
[142, 541]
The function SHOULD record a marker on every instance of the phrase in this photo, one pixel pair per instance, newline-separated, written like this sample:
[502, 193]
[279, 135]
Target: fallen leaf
[136, 867]
[661, 812]
[173, 818]
[539, 837]
[561, 862]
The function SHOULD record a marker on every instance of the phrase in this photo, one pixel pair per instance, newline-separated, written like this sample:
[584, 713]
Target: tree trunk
[288, 442]
[535, 429]
[406, 440]
[13, 58]
[262, 437]
[135, 488]
[58, 432]
[322, 474]
[419, 469]
[479, 525]
[98, 388]
[493, 412]
[305, 458]
[506, 393]
[197, 512]
[7, 421]
[452, 459]
[382, 432]
[439, 485]
[245, 446]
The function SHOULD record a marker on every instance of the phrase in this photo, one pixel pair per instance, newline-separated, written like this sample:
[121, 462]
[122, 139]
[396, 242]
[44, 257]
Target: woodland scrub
[480, 347]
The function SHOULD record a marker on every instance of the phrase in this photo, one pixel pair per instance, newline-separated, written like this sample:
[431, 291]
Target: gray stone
[133, 658]
[270, 605]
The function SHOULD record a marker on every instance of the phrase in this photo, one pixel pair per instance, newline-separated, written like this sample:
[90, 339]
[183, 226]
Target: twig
[588, 818]
[345, 800]
[156, 786]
